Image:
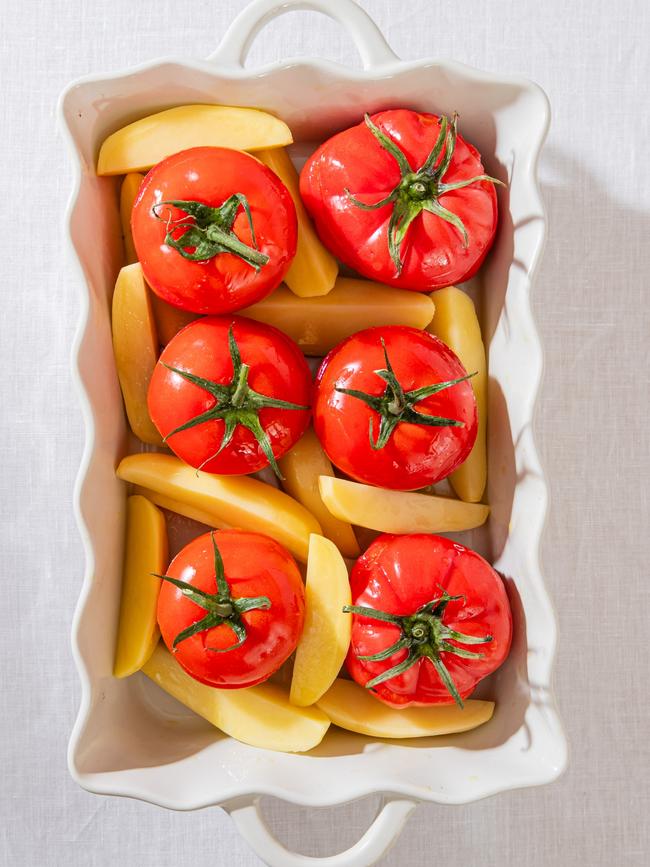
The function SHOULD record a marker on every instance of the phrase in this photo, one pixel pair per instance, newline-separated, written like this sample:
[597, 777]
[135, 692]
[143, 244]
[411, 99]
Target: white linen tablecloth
[592, 306]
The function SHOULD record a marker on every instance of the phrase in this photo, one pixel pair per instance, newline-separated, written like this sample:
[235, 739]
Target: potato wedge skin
[222, 501]
[169, 319]
[351, 707]
[145, 142]
[259, 715]
[314, 269]
[455, 322]
[398, 511]
[145, 553]
[318, 323]
[128, 192]
[135, 345]
[325, 639]
[194, 513]
[301, 467]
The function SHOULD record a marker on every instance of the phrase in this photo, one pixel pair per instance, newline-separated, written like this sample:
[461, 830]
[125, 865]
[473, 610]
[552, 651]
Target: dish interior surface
[132, 739]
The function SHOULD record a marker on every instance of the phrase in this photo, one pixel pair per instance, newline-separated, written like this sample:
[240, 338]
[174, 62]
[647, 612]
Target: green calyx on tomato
[236, 403]
[220, 606]
[209, 230]
[423, 635]
[396, 405]
[419, 190]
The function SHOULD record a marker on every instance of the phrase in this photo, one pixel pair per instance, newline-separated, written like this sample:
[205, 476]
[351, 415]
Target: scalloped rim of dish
[102, 783]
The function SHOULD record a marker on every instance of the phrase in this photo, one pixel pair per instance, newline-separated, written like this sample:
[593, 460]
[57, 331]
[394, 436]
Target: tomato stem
[419, 190]
[208, 231]
[236, 403]
[241, 386]
[222, 608]
[396, 405]
[423, 636]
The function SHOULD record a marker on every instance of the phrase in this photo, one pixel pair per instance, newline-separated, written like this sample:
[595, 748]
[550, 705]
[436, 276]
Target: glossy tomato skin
[225, 282]
[415, 456]
[254, 565]
[277, 369]
[433, 253]
[398, 574]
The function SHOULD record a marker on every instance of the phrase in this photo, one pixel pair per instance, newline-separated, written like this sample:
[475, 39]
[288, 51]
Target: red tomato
[214, 229]
[231, 608]
[402, 199]
[441, 609]
[393, 408]
[230, 395]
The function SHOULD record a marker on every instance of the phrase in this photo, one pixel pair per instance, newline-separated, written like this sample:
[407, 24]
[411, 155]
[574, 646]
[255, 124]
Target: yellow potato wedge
[455, 322]
[301, 467]
[259, 715]
[142, 144]
[145, 552]
[325, 637]
[135, 344]
[398, 511]
[352, 707]
[169, 319]
[317, 324]
[128, 192]
[314, 269]
[222, 501]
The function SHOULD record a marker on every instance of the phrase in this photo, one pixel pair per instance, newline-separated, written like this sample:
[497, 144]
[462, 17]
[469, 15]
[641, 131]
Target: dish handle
[367, 37]
[377, 840]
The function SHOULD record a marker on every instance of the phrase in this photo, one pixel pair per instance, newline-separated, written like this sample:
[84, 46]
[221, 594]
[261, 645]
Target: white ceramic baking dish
[129, 738]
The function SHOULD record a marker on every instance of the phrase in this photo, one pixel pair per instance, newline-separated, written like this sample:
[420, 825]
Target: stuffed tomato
[231, 608]
[403, 199]
[230, 395]
[393, 407]
[431, 619]
[215, 230]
